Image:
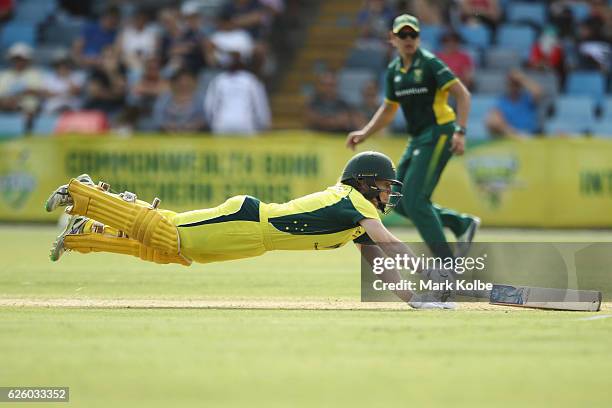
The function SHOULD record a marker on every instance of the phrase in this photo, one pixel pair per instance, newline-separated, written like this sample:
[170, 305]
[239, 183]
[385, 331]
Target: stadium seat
[477, 130]
[44, 125]
[33, 12]
[580, 11]
[476, 35]
[522, 12]
[17, 32]
[11, 125]
[501, 58]
[516, 37]
[602, 128]
[490, 82]
[566, 127]
[475, 53]
[481, 105]
[588, 83]
[606, 112]
[62, 34]
[371, 59]
[351, 82]
[430, 36]
[575, 108]
[82, 122]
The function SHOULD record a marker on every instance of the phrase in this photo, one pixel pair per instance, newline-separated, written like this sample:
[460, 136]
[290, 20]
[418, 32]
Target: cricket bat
[546, 298]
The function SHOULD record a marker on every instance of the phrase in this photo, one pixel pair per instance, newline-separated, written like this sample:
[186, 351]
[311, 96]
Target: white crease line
[596, 317]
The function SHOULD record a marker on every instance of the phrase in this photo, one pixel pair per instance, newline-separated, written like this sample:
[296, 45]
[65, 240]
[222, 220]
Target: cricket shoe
[464, 241]
[61, 198]
[75, 226]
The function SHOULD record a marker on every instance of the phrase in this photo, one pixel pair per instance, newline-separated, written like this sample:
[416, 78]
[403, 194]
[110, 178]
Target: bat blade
[546, 298]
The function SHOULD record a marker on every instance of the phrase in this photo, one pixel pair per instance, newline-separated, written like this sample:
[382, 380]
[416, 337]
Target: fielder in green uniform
[420, 84]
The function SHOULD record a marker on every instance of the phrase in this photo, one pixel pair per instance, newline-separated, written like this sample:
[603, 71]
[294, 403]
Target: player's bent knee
[145, 224]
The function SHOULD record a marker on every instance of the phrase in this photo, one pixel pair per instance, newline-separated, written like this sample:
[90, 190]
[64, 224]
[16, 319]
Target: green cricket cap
[405, 20]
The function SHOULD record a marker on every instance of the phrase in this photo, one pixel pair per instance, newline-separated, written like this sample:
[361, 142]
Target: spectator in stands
[599, 19]
[107, 86]
[183, 46]
[256, 17]
[429, 12]
[249, 15]
[516, 115]
[21, 85]
[236, 101]
[144, 92]
[63, 86]
[369, 104]
[547, 53]
[137, 41]
[228, 39]
[182, 108]
[562, 17]
[326, 111]
[487, 12]
[373, 23]
[594, 48]
[459, 61]
[96, 37]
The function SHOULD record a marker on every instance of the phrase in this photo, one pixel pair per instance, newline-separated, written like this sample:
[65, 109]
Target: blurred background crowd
[239, 67]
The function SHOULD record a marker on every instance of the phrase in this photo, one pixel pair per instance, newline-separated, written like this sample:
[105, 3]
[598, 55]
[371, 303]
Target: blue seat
[62, 35]
[521, 12]
[12, 125]
[17, 32]
[602, 128]
[44, 125]
[481, 105]
[371, 59]
[580, 11]
[502, 58]
[607, 109]
[477, 130]
[475, 53]
[566, 127]
[476, 35]
[490, 82]
[32, 12]
[351, 83]
[589, 83]
[575, 108]
[430, 36]
[516, 37]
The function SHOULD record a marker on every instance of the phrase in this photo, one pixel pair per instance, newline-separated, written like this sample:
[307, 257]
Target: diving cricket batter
[241, 227]
[420, 83]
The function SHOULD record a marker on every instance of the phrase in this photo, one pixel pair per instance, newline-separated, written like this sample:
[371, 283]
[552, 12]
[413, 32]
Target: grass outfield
[252, 333]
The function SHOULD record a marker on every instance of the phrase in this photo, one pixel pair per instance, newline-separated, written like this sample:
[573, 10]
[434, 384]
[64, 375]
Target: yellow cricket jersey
[243, 226]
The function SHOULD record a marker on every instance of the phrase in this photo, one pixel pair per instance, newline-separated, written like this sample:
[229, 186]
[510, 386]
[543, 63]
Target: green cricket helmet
[364, 169]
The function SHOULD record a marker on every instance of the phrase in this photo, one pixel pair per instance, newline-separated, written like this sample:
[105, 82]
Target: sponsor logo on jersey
[411, 91]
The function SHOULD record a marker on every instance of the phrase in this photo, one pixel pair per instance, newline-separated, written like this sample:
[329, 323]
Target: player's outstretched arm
[381, 119]
[391, 246]
[388, 245]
